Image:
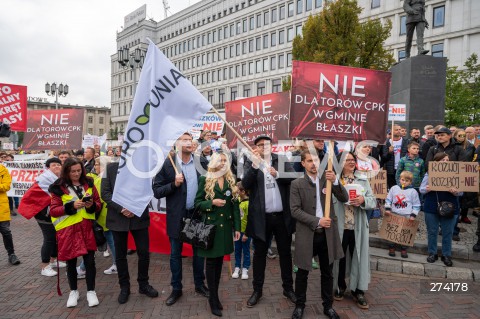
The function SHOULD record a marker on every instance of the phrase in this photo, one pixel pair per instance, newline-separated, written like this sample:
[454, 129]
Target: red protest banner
[54, 130]
[13, 106]
[260, 115]
[338, 102]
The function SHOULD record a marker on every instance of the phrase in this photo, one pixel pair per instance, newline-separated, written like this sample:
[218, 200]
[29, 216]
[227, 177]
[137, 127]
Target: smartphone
[86, 198]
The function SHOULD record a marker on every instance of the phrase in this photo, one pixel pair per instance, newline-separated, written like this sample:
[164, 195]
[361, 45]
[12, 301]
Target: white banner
[211, 122]
[397, 112]
[30, 157]
[165, 106]
[24, 174]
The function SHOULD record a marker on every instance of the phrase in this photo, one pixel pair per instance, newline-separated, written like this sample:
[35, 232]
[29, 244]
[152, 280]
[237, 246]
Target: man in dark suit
[315, 233]
[415, 10]
[269, 213]
[120, 221]
[393, 151]
[180, 190]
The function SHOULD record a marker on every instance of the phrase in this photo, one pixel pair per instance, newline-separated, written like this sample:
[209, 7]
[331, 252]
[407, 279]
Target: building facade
[242, 48]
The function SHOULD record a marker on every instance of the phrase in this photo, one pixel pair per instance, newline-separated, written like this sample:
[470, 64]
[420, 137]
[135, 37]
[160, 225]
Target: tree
[462, 100]
[336, 36]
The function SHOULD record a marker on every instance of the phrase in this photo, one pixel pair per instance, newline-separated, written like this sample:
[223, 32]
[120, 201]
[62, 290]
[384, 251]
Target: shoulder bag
[445, 209]
[196, 233]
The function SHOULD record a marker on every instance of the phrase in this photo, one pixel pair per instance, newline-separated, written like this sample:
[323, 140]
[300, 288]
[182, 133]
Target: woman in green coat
[217, 199]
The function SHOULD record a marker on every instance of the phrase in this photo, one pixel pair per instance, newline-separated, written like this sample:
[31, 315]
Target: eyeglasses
[263, 145]
[461, 135]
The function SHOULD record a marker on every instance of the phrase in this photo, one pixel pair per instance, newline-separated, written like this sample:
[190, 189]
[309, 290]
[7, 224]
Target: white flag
[165, 106]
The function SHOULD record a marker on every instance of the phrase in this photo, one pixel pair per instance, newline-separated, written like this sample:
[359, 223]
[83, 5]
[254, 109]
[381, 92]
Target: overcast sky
[67, 41]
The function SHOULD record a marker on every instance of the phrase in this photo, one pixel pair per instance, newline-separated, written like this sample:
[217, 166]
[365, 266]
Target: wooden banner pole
[328, 195]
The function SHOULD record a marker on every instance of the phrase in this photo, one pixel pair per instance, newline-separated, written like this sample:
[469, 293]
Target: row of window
[437, 21]
[120, 109]
[252, 67]
[436, 50]
[100, 131]
[246, 91]
[90, 120]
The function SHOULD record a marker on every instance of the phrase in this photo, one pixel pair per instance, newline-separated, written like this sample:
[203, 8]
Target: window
[375, 4]
[221, 96]
[273, 40]
[232, 30]
[219, 74]
[273, 62]
[265, 17]
[220, 34]
[250, 45]
[210, 97]
[244, 47]
[208, 77]
[214, 56]
[260, 88]
[245, 26]
[318, 3]
[437, 50]
[214, 36]
[252, 23]
[100, 120]
[237, 71]
[219, 54]
[282, 12]
[291, 11]
[298, 30]
[239, 29]
[403, 25]
[244, 69]
[233, 93]
[100, 131]
[90, 119]
[281, 37]
[265, 41]
[281, 61]
[208, 57]
[237, 49]
[276, 86]
[258, 66]
[274, 15]
[401, 55]
[225, 53]
[230, 72]
[250, 68]
[246, 90]
[289, 34]
[308, 5]
[299, 6]
[90, 131]
[225, 74]
[265, 65]
[258, 43]
[439, 16]
[259, 20]
[209, 38]
[225, 32]
[214, 76]
[289, 59]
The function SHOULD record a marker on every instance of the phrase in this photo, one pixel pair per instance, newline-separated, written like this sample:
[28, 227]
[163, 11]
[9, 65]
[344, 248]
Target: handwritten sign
[378, 184]
[442, 176]
[397, 112]
[399, 229]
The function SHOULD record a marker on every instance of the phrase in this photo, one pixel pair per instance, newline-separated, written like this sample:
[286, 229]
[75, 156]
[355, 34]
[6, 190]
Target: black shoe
[219, 304]
[447, 261]
[254, 299]
[330, 313]
[290, 295]
[214, 308]
[456, 238]
[131, 251]
[123, 296]
[13, 213]
[339, 294]
[432, 258]
[13, 259]
[173, 298]
[423, 52]
[476, 247]
[298, 313]
[202, 291]
[148, 290]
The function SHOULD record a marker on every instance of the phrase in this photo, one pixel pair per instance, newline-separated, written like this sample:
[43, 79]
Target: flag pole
[328, 195]
[173, 164]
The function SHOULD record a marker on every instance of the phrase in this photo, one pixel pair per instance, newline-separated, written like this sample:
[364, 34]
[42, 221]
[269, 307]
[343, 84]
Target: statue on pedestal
[415, 10]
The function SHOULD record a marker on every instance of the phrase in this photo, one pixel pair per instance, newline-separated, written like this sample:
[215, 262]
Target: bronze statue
[415, 10]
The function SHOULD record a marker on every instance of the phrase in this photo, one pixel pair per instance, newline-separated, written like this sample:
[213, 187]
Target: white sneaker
[244, 273]
[73, 299]
[81, 273]
[61, 264]
[106, 253]
[271, 254]
[92, 298]
[48, 271]
[111, 270]
[236, 273]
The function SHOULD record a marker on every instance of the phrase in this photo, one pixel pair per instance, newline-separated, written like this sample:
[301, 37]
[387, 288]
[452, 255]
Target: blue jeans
[432, 221]
[176, 265]
[110, 243]
[244, 247]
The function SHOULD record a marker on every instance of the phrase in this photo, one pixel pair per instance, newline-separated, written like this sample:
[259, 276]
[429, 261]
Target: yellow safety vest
[69, 220]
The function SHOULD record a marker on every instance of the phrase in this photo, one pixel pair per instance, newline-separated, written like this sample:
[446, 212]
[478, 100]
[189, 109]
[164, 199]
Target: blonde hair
[407, 175]
[214, 173]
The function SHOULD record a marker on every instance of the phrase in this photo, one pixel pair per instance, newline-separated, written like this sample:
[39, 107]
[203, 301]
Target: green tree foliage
[336, 36]
[462, 101]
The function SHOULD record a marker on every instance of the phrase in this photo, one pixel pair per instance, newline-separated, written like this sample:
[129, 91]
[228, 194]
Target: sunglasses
[461, 135]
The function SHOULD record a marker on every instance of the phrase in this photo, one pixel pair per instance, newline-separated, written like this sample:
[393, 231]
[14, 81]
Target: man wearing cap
[269, 213]
[446, 144]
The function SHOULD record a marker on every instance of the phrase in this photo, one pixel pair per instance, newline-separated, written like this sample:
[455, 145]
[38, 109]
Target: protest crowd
[253, 197]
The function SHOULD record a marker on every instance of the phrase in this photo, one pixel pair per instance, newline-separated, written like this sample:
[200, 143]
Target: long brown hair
[65, 174]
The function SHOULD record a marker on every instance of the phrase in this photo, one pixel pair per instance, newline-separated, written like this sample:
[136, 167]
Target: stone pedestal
[419, 82]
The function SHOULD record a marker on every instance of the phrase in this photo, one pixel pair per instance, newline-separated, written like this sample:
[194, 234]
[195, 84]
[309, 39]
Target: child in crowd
[412, 163]
[404, 201]
[242, 245]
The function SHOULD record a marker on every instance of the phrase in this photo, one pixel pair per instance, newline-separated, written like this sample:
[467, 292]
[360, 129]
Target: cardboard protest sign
[13, 106]
[397, 112]
[24, 174]
[378, 183]
[54, 130]
[338, 103]
[399, 229]
[211, 122]
[442, 176]
[260, 115]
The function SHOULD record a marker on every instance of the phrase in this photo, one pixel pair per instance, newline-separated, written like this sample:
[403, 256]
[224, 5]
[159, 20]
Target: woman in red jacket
[74, 204]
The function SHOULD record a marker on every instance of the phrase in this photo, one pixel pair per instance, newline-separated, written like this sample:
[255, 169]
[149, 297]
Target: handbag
[196, 233]
[445, 209]
[100, 239]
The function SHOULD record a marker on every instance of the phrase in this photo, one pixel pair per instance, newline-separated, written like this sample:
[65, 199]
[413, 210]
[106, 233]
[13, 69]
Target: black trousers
[91, 271]
[420, 26]
[320, 249]
[348, 242]
[7, 237]
[213, 272]
[276, 226]
[120, 239]
[391, 181]
[49, 246]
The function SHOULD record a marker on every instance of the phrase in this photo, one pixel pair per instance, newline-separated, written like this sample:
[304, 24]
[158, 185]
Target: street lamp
[61, 90]
[133, 61]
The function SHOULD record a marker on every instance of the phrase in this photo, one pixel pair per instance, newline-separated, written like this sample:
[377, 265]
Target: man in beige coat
[315, 234]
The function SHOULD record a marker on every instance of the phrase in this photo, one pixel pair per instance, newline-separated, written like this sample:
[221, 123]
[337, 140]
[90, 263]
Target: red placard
[260, 115]
[54, 130]
[339, 103]
[13, 106]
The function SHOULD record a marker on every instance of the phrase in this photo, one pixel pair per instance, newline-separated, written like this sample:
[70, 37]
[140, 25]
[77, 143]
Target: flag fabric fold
[165, 106]
[37, 197]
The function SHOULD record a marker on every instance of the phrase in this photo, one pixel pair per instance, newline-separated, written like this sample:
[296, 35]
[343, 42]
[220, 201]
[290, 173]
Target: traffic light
[4, 130]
